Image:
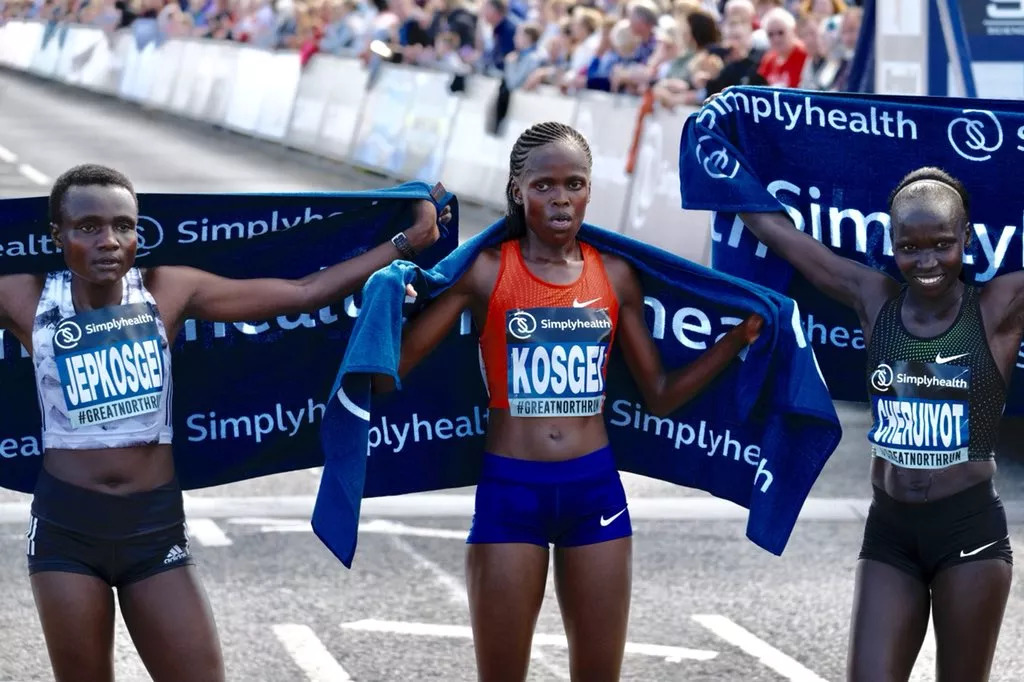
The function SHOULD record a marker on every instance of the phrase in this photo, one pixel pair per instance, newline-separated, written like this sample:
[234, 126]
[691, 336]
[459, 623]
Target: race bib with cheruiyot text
[110, 363]
[556, 361]
[920, 412]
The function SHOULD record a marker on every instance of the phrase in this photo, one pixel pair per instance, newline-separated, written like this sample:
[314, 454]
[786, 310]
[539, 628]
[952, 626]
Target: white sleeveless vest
[103, 377]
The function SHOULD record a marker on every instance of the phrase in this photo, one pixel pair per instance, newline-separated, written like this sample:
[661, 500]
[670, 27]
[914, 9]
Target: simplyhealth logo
[793, 111]
[977, 134]
[522, 325]
[718, 164]
[151, 233]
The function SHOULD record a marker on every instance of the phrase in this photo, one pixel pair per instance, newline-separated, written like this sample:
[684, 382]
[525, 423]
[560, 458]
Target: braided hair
[532, 138]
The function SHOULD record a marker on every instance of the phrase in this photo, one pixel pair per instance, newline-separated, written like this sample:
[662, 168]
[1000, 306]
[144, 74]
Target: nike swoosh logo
[576, 303]
[941, 360]
[973, 552]
[605, 522]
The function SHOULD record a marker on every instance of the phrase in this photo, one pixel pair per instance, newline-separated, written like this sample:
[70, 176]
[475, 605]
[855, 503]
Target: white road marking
[757, 647]
[379, 526]
[924, 666]
[457, 593]
[206, 532]
[33, 174]
[671, 654]
[7, 156]
[310, 654]
[460, 506]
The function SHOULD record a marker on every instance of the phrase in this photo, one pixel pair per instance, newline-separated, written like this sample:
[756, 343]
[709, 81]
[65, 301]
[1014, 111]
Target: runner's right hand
[424, 231]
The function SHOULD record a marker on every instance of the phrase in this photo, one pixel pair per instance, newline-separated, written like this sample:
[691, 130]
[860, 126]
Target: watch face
[402, 243]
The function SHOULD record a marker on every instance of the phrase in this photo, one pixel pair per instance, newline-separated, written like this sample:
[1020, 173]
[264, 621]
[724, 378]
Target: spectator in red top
[784, 62]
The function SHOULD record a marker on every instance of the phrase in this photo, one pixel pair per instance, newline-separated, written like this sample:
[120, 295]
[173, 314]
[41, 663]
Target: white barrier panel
[44, 61]
[607, 121]
[210, 101]
[91, 62]
[282, 84]
[75, 50]
[139, 73]
[377, 144]
[10, 42]
[470, 163]
[428, 127]
[19, 41]
[319, 79]
[189, 69]
[243, 111]
[345, 106]
[166, 62]
[653, 213]
[406, 122]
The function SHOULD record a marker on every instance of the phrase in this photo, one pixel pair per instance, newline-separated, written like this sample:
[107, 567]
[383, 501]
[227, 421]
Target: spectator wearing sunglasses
[783, 64]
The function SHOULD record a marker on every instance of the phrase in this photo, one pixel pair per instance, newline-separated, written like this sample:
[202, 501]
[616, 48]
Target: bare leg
[77, 614]
[506, 589]
[171, 623]
[593, 584]
[890, 619]
[969, 600]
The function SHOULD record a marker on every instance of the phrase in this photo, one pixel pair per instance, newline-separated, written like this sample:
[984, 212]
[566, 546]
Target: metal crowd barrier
[404, 122]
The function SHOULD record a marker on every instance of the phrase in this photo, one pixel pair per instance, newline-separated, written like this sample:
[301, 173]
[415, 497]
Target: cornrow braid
[532, 138]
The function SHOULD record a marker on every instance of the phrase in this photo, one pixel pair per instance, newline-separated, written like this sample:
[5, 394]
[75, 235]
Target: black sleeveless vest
[935, 401]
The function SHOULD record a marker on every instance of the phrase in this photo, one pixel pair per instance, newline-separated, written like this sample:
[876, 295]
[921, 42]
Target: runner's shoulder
[20, 287]
[482, 275]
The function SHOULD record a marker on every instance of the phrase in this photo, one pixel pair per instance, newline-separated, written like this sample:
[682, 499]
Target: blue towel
[248, 398]
[830, 161]
[758, 436]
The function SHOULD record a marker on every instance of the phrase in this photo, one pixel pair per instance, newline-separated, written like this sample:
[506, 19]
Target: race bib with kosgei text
[920, 412]
[556, 361]
[110, 363]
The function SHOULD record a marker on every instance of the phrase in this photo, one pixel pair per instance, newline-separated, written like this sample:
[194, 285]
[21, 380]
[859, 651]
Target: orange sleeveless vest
[545, 346]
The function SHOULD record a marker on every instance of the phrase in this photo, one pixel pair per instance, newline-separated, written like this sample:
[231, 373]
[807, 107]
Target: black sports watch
[401, 243]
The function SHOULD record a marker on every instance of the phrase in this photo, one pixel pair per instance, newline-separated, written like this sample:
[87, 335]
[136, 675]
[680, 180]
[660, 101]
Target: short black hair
[83, 176]
[933, 174]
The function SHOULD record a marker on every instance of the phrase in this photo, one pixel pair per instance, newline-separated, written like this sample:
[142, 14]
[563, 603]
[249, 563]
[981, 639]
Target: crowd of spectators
[676, 51]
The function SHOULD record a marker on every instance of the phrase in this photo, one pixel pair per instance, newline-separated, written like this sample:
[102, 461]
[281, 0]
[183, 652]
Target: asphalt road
[707, 603]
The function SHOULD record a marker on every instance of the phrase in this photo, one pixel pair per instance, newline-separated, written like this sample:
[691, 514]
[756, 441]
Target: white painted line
[671, 654]
[457, 593]
[274, 525]
[207, 532]
[7, 156]
[758, 648]
[924, 666]
[32, 174]
[379, 526]
[310, 654]
[459, 505]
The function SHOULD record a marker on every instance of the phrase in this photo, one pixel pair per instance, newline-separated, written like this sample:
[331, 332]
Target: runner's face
[97, 232]
[928, 246]
[554, 189]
